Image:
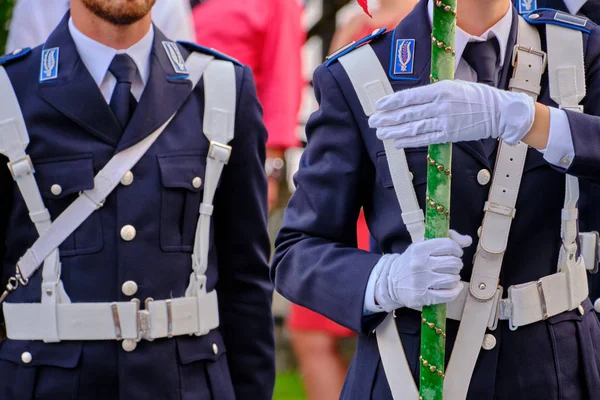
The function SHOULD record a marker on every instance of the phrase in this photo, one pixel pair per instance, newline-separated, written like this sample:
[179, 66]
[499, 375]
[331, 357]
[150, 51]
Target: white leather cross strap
[90, 200]
[13, 142]
[219, 129]
[116, 321]
[500, 210]
[371, 84]
[55, 318]
[567, 89]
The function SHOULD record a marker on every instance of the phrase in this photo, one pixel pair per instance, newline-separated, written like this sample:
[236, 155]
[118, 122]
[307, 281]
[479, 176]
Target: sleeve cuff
[560, 150]
[370, 306]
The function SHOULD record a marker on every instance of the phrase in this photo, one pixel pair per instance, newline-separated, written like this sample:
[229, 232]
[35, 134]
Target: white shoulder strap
[219, 128]
[567, 88]
[370, 83]
[104, 183]
[529, 64]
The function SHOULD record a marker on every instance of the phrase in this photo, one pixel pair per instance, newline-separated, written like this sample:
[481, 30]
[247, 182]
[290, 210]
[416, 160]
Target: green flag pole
[437, 213]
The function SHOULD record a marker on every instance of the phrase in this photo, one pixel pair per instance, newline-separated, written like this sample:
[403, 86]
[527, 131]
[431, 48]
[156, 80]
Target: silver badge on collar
[527, 6]
[49, 67]
[175, 57]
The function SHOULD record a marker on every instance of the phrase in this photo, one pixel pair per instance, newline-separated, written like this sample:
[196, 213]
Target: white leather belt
[117, 321]
[530, 302]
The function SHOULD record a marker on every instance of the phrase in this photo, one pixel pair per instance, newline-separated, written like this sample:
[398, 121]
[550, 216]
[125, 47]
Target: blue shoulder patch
[14, 55]
[554, 17]
[196, 47]
[353, 45]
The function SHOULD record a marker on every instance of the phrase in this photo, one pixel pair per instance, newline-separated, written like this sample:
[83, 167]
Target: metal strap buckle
[219, 152]
[529, 50]
[540, 289]
[28, 167]
[146, 321]
[116, 321]
[576, 108]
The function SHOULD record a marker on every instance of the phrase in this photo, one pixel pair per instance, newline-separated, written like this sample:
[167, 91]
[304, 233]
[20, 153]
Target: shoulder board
[353, 45]
[554, 17]
[5, 59]
[196, 47]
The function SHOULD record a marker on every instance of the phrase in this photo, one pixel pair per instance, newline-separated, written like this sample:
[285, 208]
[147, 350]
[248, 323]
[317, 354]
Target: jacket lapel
[74, 92]
[419, 17]
[165, 93]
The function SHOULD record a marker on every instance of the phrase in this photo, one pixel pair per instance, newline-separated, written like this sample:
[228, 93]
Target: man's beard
[120, 12]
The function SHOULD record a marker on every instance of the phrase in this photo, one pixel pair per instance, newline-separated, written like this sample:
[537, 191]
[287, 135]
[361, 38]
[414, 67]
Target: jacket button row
[127, 179]
[129, 288]
[128, 233]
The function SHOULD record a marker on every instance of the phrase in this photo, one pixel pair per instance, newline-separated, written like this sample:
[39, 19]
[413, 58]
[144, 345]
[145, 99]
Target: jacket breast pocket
[182, 180]
[417, 166]
[51, 373]
[203, 368]
[60, 180]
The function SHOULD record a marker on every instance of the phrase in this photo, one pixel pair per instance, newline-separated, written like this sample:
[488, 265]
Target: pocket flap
[417, 165]
[183, 171]
[58, 178]
[193, 348]
[63, 355]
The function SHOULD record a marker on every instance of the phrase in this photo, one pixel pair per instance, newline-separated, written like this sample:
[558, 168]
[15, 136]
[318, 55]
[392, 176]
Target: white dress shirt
[560, 150]
[97, 58]
[574, 5]
[34, 20]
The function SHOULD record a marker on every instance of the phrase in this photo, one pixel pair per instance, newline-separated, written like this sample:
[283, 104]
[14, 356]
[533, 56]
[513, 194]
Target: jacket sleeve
[585, 128]
[240, 222]
[316, 262]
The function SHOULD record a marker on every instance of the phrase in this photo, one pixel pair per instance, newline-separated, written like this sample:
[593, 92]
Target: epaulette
[554, 17]
[14, 55]
[196, 47]
[352, 46]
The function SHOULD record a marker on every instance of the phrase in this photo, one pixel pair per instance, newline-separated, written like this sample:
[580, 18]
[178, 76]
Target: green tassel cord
[437, 211]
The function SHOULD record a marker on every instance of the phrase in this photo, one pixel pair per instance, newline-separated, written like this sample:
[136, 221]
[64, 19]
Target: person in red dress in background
[314, 337]
[267, 36]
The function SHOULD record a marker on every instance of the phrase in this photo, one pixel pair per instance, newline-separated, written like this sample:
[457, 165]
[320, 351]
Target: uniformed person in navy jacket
[138, 244]
[344, 168]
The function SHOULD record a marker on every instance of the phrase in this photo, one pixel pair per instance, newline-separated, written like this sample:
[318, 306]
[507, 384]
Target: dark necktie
[122, 101]
[483, 58]
[591, 9]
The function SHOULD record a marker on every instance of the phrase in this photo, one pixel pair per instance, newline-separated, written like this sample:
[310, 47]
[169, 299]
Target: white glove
[426, 273]
[452, 111]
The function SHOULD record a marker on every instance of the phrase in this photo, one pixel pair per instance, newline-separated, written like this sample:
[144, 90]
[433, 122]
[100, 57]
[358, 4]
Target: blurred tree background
[5, 13]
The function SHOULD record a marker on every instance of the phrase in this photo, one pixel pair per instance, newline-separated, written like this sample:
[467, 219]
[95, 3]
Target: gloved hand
[452, 111]
[426, 273]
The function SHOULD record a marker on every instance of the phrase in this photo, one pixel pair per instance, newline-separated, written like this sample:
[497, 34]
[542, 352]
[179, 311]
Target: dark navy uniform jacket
[344, 168]
[73, 135]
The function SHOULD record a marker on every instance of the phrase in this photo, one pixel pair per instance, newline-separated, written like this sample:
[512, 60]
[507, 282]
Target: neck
[477, 16]
[119, 37]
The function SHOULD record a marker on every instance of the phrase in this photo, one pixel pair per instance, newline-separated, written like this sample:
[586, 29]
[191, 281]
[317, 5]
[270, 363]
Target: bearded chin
[125, 14]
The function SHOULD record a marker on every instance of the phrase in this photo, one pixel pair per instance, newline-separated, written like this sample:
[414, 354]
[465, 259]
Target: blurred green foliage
[288, 386]
[6, 7]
